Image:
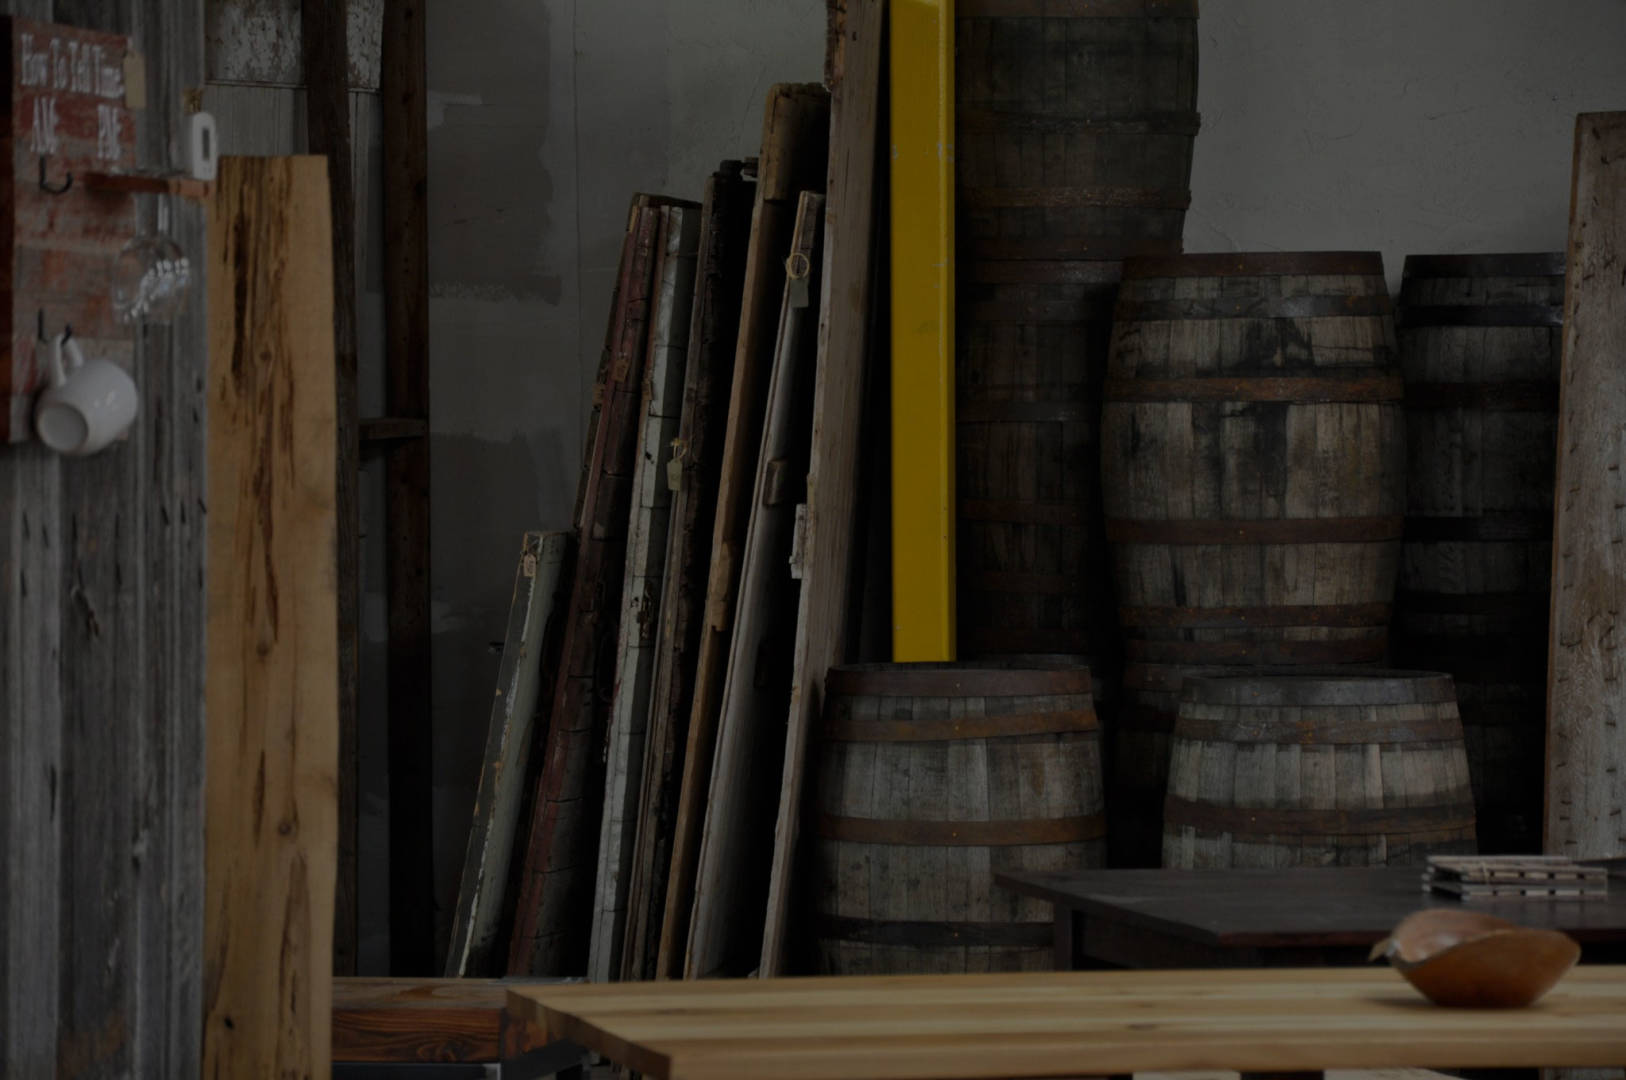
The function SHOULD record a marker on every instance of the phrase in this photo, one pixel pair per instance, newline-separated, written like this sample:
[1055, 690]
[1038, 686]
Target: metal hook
[66, 184]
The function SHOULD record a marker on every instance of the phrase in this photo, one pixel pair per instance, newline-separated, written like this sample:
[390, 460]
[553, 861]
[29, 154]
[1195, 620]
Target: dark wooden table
[1272, 918]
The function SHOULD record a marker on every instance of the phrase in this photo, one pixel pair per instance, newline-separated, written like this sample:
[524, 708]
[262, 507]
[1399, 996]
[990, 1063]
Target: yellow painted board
[922, 95]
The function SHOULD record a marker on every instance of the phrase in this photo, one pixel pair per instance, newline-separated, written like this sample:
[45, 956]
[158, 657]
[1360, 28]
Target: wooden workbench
[1067, 1024]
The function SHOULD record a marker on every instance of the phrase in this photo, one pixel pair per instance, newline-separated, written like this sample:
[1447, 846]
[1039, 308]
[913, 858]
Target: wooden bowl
[1473, 960]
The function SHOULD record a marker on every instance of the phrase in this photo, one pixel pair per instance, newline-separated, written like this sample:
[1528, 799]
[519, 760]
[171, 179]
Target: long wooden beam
[922, 94]
[1586, 709]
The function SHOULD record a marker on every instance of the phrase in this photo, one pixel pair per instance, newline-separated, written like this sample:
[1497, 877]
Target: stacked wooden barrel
[1331, 769]
[1252, 464]
[1074, 128]
[932, 778]
[1480, 337]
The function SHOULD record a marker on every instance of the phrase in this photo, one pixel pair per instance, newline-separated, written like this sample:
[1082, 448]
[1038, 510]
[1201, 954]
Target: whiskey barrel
[1074, 127]
[1332, 769]
[932, 778]
[1252, 471]
[1480, 338]
[1032, 557]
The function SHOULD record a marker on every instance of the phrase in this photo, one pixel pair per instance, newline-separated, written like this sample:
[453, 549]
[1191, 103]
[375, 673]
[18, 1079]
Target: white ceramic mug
[87, 405]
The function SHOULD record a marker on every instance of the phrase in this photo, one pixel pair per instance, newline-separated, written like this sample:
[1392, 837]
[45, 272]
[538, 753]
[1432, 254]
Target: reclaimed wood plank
[529, 660]
[720, 276]
[838, 405]
[556, 888]
[795, 146]
[1586, 753]
[662, 407]
[323, 50]
[272, 683]
[731, 880]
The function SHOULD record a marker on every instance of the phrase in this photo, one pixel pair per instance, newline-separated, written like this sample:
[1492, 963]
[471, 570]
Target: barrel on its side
[1480, 340]
[1252, 472]
[932, 778]
[1317, 770]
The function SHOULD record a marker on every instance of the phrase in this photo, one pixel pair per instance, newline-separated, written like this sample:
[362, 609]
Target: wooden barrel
[1317, 770]
[1252, 472]
[932, 778]
[1074, 128]
[1032, 558]
[1480, 339]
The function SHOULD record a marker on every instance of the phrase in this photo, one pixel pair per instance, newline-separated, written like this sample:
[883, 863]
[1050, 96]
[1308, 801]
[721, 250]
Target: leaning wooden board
[1586, 713]
[529, 658]
[832, 472]
[696, 459]
[732, 878]
[556, 886]
[932, 1027]
[795, 142]
[640, 594]
[272, 683]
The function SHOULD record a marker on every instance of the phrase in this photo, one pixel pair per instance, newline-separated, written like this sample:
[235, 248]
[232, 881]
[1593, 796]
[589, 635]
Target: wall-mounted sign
[68, 114]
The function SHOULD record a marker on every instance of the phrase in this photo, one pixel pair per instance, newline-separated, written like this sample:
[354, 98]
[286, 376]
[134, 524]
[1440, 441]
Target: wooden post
[923, 521]
[272, 683]
[832, 478]
[327, 112]
[1586, 707]
[406, 353]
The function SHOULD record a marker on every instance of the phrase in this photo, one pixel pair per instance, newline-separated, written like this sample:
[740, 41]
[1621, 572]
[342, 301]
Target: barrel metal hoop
[977, 119]
[954, 681]
[1375, 305]
[1065, 830]
[1103, 272]
[1417, 316]
[1276, 615]
[1204, 531]
[1529, 396]
[844, 727]
[1360, 731]
[1356, 651]
[1251, 821]
[1003, 640]
[1013, 583]
[1074, 196]
[1077, 312]
[1026, 412]
[1518, 264]
[933, 935]
[1260, 264]
[1294, 390]
[1076, 9]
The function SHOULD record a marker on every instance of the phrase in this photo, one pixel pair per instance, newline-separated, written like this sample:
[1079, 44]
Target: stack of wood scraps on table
[1494, 877]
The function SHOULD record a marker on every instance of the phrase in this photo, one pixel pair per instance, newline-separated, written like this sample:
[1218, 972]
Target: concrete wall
[544, 119]
[1404, 126]
[1392, 124]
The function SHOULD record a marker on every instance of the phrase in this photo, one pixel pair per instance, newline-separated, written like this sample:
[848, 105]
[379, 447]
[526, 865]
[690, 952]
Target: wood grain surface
[425, 1020]
[795, 147]
[831, 538]
[530, 653]
[1586, 753]
[272, 683]
[1065, 1024]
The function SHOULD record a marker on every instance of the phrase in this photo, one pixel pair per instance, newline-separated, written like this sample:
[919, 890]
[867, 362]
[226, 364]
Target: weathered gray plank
[529, 650]
[1586, 714]
[832, 474]
[732, 878]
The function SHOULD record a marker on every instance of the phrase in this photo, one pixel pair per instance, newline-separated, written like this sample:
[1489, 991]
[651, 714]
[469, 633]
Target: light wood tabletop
[1069, 1023]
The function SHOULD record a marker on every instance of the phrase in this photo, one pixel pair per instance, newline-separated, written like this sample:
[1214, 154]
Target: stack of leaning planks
[636, 817]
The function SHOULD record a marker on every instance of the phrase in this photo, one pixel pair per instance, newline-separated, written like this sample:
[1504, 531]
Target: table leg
[1065, 938]
[562, 1059]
